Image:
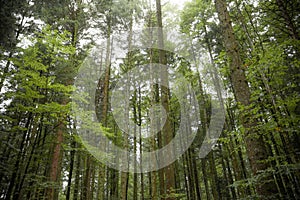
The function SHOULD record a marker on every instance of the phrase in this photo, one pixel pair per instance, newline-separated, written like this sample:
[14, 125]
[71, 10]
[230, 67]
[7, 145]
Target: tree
[256, 149]
[167, 129]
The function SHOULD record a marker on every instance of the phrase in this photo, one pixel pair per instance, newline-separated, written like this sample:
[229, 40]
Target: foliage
[39, 63]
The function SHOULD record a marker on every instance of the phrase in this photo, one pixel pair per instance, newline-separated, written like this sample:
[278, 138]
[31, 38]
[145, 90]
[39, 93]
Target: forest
[149, 99]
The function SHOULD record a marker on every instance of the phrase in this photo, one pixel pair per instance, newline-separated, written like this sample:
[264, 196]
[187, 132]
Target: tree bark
[56, 161]
[256, 150]
[72, 157]
[167, 128]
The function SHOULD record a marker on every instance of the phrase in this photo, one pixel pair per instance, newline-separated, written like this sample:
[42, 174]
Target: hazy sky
[180, 3]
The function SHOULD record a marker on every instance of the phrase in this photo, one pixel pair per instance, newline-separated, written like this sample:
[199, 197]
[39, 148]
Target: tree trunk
[135, 119]
[16, 169]
[87, 178]
[56, 161]
[167, 128]
[72, 157]
[214, 177]
[205, 179]
[196, 179]
[140, 141]
[125, 175]
[77, 176]
[256, 150]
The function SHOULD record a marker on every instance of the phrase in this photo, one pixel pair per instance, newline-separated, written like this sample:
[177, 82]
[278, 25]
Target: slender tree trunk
[135, 119]
[125, 175]
[106, 76]
[35, 165]
[140, 142]
[191, 179]
[93, 177]
[204, 126]
[167, 129]
[77, 176]
[87, 178]
[195, 171]
[16, 168]
[72, 158]
[230, 176]
[205, 179]
[33, 134]
[186, 183]
[225, 191]
[214, 177]
[114, 173]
